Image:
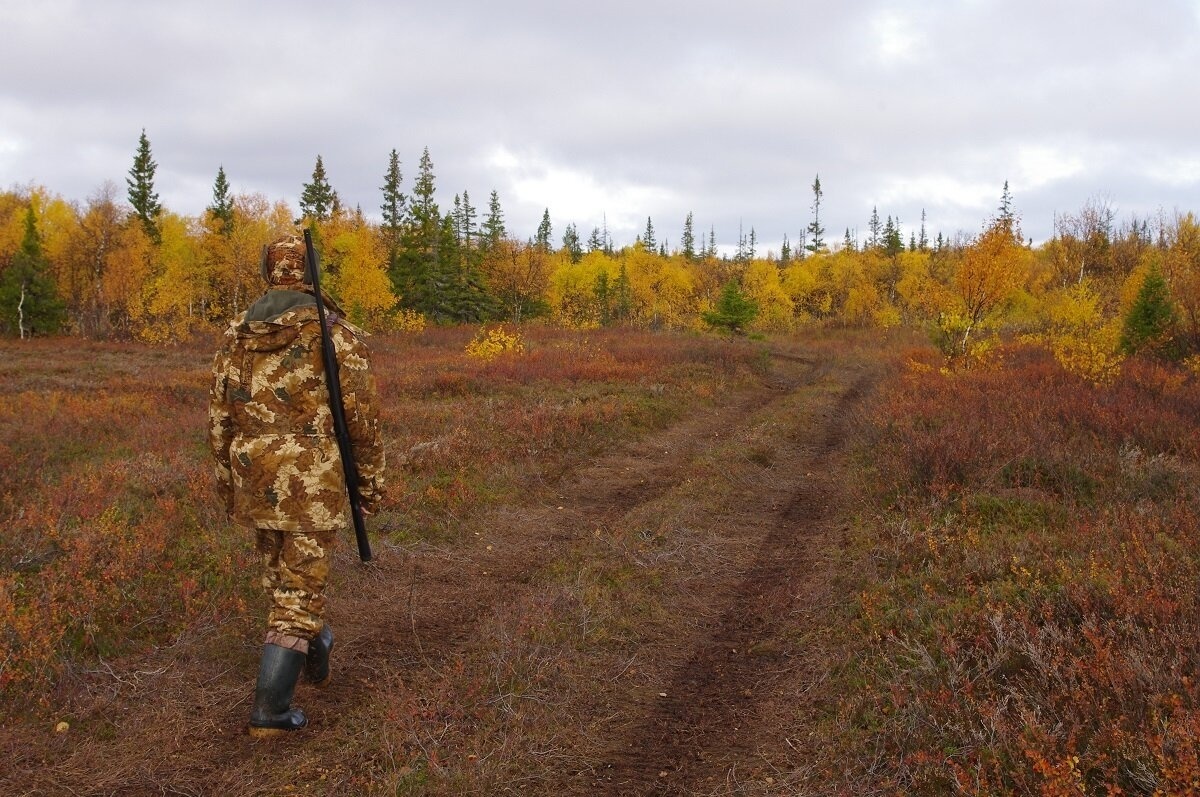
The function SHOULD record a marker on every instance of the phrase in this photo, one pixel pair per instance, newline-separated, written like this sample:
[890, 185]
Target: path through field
[655, 623]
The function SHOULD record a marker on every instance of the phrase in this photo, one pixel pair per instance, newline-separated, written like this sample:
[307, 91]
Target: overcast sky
[620, 109]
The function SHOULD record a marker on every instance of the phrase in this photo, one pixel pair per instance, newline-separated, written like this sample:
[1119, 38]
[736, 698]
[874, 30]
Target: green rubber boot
[272, 714]
[316, 667]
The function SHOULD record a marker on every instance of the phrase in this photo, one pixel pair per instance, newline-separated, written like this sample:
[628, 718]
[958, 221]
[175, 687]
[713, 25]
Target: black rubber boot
[316, 668]
[272, 714]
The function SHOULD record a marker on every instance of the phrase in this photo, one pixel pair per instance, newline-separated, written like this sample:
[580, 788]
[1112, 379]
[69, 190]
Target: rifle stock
[338, 407]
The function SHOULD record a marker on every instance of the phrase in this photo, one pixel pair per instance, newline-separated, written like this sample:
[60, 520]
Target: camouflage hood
[274, 320]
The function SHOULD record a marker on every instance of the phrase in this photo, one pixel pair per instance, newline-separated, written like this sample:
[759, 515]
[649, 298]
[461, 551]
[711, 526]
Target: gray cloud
[630, 109]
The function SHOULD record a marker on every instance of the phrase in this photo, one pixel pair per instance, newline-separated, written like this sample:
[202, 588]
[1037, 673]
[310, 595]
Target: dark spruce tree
[648, 239]
[1007, 217]
[1149, 326]
[893, 241]
[423, 209]
[816, 232]
[493, 223]
[393, 209]
[142, 195]
[734, 310]
[221, 209]
[622, 295]
[875, 228]
[688, 241]
[415, 273]
[544, 231]
[466, 222]
[572, 244]
[29, 301]
[455, 219]
[317, 198]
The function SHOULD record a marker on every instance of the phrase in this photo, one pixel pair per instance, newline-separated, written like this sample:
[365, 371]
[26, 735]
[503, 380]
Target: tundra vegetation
[1006, 439]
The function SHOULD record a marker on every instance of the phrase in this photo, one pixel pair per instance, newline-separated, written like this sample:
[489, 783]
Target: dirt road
[654, 623]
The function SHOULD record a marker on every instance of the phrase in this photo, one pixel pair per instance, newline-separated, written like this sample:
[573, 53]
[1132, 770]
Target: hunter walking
[279, 469]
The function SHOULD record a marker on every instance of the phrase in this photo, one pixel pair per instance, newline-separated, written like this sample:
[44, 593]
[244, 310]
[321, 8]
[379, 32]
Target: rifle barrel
[337, 406]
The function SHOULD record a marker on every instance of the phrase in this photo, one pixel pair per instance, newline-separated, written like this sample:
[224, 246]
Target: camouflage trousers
[295, 569]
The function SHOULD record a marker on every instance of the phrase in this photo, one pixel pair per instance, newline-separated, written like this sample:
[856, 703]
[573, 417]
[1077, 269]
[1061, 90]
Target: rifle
[337, 406]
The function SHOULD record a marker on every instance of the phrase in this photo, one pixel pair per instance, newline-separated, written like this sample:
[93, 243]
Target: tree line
[117, 266]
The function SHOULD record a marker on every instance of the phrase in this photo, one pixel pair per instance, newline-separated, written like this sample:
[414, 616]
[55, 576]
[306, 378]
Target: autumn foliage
[105, 277]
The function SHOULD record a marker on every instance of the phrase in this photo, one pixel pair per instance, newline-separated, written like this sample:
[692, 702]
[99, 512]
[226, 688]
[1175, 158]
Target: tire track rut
[703, 726]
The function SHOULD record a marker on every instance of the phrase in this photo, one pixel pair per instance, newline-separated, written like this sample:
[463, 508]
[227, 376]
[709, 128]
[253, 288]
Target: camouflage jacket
[271, 429]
